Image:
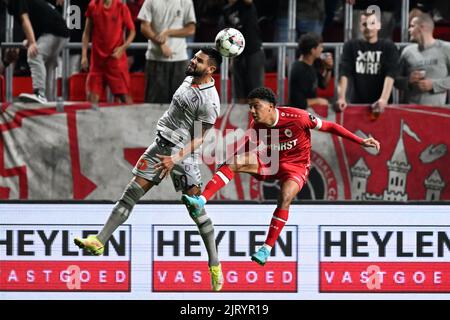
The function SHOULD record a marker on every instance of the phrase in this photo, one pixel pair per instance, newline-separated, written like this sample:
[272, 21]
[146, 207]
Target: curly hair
[308, 41]
[263, 93]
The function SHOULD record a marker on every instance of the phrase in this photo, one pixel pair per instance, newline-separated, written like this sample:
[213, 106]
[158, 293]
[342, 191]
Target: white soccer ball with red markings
[230, 42]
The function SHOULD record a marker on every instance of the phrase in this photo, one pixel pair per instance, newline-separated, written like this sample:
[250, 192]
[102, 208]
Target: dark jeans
[162, 79]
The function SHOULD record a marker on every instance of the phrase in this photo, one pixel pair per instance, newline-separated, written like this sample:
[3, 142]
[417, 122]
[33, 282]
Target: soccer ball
[230, 42]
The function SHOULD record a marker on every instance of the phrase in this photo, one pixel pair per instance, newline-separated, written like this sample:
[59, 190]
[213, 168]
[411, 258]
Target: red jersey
[290, 135]
[108, 26]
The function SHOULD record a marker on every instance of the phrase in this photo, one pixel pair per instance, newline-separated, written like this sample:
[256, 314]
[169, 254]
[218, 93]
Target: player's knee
[132, 194]
[193, 191]
[239, 164]
[286, 199]
[243, 163]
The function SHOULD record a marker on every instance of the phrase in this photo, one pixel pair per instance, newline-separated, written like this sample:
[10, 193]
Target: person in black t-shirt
[371, 64]
[46, 35]
[247, 68]
[309, 72]
[389, 10]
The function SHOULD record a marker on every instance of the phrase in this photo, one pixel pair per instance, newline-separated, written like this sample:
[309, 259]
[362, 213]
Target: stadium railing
[282, 49]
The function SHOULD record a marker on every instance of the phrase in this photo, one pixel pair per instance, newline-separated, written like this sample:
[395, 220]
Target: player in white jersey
[195, 102]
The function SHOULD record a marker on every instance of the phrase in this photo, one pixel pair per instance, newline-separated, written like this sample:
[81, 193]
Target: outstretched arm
[339, 130]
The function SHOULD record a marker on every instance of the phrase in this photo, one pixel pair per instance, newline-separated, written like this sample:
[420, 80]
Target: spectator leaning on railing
[305, 75]
[389, 10]
[370, 64]
[424, 66]
[46, 35]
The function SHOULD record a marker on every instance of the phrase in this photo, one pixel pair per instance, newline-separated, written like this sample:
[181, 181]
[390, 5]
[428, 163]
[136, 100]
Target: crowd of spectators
[371, 64]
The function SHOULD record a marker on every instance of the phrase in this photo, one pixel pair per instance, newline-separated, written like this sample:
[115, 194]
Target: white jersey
[164, 14]
[190, 103]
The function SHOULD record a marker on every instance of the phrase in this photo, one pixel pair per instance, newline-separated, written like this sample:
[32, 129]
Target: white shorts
[185, 174]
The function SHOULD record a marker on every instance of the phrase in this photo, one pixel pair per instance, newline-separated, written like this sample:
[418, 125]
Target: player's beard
[192, 71]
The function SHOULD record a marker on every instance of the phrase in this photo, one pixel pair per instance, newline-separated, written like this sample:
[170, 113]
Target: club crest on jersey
[142, 164]
[312, 117]
[288, 132]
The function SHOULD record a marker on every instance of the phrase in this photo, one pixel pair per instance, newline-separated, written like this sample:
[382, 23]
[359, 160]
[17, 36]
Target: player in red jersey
[106, 21]
[290, 157]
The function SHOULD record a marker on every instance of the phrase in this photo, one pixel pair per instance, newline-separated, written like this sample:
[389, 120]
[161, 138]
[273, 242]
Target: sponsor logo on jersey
[283, 146]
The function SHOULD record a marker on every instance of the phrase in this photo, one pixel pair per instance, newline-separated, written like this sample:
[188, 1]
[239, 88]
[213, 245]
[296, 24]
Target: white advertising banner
[330, 251]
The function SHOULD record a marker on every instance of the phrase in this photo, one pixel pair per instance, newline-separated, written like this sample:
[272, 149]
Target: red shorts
[286, 171]
[112, 72]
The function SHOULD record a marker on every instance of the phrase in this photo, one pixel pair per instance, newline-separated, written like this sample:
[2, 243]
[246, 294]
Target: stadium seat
[217, 83]
[22, 85]
[442, 32]
[271, 81]
[2, 89]
[77, 88]
[59, 82]
[137, 91]
[328, 92]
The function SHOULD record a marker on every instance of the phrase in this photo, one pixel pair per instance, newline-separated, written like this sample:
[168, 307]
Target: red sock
[277, 223]
[218, 181]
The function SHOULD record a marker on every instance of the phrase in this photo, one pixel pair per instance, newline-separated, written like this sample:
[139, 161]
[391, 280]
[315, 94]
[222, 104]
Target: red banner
[413, 163]
[384, 277]
[173, 276]
[46, 154]
[64, 276]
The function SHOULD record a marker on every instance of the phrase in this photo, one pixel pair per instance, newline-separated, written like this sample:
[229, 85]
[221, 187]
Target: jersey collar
[204, 85]
[276, 119]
